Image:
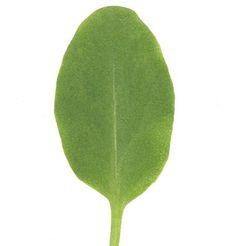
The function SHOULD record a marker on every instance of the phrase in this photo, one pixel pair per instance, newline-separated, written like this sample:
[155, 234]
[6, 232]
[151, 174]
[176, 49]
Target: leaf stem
[116, 218]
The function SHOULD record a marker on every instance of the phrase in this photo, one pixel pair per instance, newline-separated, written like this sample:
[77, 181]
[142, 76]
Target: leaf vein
[114, 121]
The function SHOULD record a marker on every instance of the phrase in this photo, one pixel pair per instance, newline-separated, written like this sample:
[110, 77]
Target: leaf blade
[115, 104]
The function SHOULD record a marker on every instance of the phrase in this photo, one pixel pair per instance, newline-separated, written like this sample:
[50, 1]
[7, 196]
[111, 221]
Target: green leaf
[114, 107]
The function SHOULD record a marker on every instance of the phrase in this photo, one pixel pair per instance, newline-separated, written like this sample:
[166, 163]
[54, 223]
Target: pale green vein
[114, 121]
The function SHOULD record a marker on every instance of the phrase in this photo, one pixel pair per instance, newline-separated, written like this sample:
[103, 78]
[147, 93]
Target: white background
[193, 202]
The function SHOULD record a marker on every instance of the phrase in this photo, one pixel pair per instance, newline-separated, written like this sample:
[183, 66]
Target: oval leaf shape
[114, 106]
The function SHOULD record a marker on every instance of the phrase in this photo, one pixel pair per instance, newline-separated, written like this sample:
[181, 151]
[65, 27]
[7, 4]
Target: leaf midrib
[114, 121]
